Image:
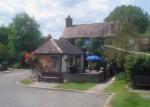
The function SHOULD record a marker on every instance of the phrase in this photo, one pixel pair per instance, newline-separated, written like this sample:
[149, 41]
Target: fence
[138, 78]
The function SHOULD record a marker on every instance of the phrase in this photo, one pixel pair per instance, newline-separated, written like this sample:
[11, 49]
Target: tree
[6, 43]
[79, 43]
[96, 45]
[26, 31]
[125, 37]
[135, 15]
[3, 35]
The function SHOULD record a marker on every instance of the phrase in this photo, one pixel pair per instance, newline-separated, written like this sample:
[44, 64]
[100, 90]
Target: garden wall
[84, 77]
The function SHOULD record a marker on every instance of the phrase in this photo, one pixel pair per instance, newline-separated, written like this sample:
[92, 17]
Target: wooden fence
[140, 80]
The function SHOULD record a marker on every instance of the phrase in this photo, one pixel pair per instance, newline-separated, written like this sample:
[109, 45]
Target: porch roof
[54, 46]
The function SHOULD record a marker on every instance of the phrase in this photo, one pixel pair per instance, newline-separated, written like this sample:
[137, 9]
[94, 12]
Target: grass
[26, 82]
[76, 86]
[123, 98]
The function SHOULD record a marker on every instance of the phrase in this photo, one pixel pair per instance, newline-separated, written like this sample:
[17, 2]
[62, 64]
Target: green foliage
[27, 34]
[76, 86]
[5, 52]
[4, 35]
[123, 98]
[114, 56]
[94, 45]
[21, 35]
[21, 60]
[6, 47]
[16, 65]
[26, 82]
[137, 63]
[79, 43]
[121, 76]
[20, 55]
[125, 37]
[133, 14]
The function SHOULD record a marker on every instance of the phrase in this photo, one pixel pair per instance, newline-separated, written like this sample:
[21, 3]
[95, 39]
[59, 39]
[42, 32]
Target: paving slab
[101, 86]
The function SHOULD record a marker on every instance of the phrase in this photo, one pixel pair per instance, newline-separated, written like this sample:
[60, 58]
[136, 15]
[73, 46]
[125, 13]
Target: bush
[137, 64]
[121, 76]
[114, 56]
[16, 65]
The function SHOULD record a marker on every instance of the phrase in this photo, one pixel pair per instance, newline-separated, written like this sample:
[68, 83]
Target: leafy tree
[92, 45]
[26, 31]
[125, 37]
[125, 40]
[3, 35]
[96, 45]
[135, 15]
[79, 43]
[6, 43]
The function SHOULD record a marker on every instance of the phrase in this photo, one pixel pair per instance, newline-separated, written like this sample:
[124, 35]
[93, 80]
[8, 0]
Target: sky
[51, 14]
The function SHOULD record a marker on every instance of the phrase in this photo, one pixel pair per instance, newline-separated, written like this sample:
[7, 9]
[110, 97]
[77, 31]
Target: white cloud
[51, 13]
[101, 5]
[126, 2]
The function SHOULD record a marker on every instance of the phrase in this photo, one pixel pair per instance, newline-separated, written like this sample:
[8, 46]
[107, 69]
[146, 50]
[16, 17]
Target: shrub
[121, 76]
[16, 65]
[114, 56]
[137, 64]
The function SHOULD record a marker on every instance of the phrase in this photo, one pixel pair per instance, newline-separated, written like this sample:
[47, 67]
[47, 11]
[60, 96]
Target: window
[87, 41]
[71, 61]
[55, 61]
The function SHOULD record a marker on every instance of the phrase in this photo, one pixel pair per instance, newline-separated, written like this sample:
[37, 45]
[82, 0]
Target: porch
[57, 65]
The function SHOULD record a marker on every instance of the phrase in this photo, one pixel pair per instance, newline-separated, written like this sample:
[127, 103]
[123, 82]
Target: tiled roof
[67, 47]
[54, 46]
[90, 30]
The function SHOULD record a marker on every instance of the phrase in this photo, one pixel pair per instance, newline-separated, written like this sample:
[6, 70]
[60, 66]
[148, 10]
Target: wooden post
[82, 61]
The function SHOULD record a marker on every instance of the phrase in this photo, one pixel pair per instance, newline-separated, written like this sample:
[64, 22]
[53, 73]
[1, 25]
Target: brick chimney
[68, 21]
[49, 37]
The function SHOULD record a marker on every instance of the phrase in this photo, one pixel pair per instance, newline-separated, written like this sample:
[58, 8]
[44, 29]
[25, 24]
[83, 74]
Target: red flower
[27, 56]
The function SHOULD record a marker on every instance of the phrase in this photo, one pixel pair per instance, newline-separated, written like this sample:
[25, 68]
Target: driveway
[13, 95]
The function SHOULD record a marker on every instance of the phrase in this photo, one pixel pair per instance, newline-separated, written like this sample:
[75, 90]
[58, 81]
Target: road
[14, 95]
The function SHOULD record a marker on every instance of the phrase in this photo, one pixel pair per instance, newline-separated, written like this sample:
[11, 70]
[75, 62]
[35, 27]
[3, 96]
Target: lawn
[76, 86]
[26, 82]
[123, 98]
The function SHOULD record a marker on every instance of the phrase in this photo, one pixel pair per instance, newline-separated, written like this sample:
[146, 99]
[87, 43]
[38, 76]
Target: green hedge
[113, 55]
[137, 64]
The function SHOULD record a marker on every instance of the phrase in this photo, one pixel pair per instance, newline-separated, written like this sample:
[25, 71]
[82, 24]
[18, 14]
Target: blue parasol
[93, 58]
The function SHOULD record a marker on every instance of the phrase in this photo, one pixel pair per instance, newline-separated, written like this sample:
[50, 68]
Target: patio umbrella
[93, 58]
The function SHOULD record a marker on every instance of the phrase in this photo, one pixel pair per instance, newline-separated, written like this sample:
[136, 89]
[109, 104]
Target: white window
[55, 62]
